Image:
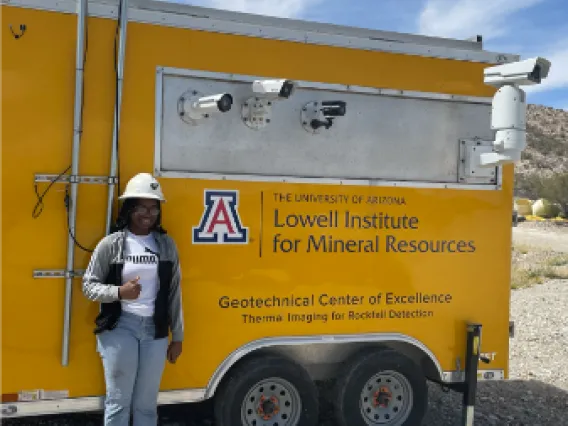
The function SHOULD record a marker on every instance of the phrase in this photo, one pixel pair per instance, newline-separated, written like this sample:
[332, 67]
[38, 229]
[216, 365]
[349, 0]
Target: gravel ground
[536, 394]
[537, 391]
[542, 234]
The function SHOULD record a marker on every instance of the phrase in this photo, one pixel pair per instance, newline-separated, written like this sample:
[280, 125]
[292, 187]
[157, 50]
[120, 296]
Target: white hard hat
[143, 185]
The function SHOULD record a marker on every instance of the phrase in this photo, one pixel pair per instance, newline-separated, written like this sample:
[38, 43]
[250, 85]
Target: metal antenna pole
[116, 126]
[73, 182]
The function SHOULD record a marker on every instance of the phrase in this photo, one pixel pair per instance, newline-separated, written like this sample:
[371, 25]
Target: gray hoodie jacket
[110, 250]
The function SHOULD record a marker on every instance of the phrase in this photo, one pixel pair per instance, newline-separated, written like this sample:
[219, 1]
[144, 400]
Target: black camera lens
[286, 90]
[224, 104]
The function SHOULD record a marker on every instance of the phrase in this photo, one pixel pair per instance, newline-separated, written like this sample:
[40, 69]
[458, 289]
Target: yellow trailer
[340, 197]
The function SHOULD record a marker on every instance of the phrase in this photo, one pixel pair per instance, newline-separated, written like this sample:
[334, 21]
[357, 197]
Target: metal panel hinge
[107, 180]
[469, 169]
[58, 273]
[511, 328]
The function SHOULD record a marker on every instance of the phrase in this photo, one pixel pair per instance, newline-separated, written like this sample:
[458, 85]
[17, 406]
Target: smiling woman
[134, 273]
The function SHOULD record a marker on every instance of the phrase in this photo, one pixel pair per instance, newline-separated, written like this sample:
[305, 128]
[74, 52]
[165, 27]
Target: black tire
[354, 377]
[243, 378]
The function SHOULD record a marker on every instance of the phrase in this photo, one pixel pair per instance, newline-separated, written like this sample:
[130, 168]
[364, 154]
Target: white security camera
[282, 88]
[256, 111]
[508, 118]
[508, 112]
[192, 105]
[527, 72]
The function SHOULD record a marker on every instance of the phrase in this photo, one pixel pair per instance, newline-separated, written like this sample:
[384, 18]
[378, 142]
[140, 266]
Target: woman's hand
[130, 290]
[174, 351]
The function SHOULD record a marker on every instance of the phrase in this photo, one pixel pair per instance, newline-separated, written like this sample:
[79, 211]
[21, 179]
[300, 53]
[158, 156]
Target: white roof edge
[207, 19]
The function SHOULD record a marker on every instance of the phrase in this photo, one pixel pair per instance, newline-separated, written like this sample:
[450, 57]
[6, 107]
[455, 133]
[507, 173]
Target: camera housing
[256, 111]
[527, 72]
[332, 109]
[193, 106]
[316, 115]
[508, 118]
[508, 111]
[274, 89]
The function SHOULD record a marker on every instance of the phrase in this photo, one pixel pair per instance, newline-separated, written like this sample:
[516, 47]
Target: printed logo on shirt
[141, 259]
[220, 222]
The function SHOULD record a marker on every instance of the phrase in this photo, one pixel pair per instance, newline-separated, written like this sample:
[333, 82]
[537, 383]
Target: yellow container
[523, 206]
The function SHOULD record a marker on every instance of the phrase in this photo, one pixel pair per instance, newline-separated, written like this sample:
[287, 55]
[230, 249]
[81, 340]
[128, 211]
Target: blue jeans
[133, 363]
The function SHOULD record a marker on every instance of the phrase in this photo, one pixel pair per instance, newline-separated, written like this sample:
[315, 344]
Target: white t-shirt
[139, 261]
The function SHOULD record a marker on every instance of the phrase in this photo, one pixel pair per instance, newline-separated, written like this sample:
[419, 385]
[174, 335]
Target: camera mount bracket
[188, 115]
[313, 119]
[256, 112]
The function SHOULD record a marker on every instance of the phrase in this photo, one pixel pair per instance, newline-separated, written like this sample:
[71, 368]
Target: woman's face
[145, 214]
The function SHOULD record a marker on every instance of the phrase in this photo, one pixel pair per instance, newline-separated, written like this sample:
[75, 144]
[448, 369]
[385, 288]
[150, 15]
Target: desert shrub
[553, 187]
[546, 144]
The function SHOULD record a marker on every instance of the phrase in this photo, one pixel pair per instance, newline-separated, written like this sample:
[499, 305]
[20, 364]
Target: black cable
[39, 204]
[67, 199]
[67, 206]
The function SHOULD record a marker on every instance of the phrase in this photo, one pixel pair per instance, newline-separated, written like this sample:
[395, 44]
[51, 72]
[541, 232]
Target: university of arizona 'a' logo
[220, 223]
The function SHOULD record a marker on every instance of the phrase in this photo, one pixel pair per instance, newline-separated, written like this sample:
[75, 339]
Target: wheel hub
[382, 397]
[268, 407]
[386, 399]
[271, 401]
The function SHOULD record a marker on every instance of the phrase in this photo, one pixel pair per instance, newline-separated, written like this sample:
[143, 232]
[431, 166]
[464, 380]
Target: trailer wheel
[382, 387]
[267, 390]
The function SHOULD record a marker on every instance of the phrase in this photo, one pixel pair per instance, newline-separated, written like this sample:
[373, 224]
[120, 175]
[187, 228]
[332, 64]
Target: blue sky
[525, 27]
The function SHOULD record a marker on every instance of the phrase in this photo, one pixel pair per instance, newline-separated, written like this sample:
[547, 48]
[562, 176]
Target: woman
[135, 273]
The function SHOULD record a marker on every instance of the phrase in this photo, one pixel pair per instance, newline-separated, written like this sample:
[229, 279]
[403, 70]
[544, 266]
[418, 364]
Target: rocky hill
[545, 159]
[547, 141]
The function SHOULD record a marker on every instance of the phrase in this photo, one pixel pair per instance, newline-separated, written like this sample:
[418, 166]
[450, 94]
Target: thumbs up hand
[130, 290]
